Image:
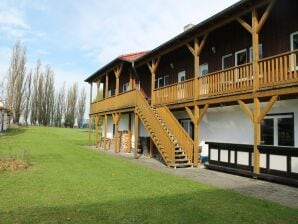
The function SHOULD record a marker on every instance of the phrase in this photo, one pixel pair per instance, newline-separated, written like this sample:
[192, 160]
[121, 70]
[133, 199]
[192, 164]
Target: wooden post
[117, 72]
[255, 47]
[105, 131]
[151, 148]
[153, 68]
[256, 117]
[257, 135]
[196, 51]
[107, 86]
[130, 81]
[97, 119]
[90, 124]
[91, 86]
[129, 133]
[196, 118]
[116, 119]
[136, 129]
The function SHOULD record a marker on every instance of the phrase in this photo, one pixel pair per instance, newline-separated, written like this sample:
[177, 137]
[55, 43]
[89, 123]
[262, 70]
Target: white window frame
[223, 59]
[202, 68]
[260, 52]
[240, 52]
[275, 125]
[292, 47]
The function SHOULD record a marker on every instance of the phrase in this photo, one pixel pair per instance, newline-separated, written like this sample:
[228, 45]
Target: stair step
[181, 160]
[181, 165]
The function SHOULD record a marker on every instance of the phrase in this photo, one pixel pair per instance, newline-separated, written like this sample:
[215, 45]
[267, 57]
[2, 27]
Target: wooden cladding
[273, 71]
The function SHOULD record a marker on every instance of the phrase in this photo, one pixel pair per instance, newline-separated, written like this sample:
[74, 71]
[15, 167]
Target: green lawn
[68, 183]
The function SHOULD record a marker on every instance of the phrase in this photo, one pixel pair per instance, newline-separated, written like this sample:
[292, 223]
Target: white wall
[123, 126]
[231, 125]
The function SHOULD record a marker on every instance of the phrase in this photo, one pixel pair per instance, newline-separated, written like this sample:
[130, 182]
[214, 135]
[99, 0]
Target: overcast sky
[76, 37]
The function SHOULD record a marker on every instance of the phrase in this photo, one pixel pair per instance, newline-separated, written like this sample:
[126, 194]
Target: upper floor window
[227, 61]
[260, 52]
[125, 87]
[294, 46]
[241, 57]
[162, 81]
[204, 69]
[278, 130]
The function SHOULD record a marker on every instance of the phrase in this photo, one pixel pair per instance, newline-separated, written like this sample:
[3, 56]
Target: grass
[68, 183]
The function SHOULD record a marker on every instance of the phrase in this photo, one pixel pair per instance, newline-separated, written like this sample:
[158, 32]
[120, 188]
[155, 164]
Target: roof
[230, 12]
[122, 58]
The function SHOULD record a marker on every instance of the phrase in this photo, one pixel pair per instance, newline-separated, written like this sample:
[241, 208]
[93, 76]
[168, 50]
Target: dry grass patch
[14, 162]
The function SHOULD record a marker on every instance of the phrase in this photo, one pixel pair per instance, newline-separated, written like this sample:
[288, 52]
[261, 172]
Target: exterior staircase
[163, 137]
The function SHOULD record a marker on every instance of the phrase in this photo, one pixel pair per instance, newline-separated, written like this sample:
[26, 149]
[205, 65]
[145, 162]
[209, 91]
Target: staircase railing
[178, 131]
[159, 136]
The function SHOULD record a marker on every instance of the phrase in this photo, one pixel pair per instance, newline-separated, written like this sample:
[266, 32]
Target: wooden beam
[90, 126]
[107, 86]
[245, 108]
[105, 131]
[267, 108]
[191, 49]
[202, 113]
[203, 43]
[116, 119]
[91, 86]
[265, 16]
[153, 68]
[255, 47]
[245, 25]
[190, 114]
[151, 148]
[129, 133]
[97, 120]
[257, 135]
[136, 130]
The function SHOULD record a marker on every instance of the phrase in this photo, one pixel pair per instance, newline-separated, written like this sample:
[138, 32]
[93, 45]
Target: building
[226, 88]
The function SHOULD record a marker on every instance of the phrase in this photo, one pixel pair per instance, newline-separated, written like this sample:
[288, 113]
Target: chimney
[188, 26]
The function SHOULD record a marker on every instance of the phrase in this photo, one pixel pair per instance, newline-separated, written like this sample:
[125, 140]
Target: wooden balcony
[275, 71]
[122, 101]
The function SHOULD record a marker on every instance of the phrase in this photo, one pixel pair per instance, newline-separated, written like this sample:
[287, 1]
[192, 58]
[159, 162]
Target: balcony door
[181, 87]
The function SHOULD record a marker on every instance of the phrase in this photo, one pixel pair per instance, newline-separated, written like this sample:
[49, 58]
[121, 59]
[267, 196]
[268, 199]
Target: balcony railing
[274, 71]
[123, 100]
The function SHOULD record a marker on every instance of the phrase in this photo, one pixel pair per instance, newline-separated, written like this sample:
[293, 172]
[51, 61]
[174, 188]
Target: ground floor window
[125, 87]
[188, 126]
[278, 130]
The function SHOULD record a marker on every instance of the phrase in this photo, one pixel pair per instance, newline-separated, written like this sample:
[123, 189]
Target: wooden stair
[165, 141]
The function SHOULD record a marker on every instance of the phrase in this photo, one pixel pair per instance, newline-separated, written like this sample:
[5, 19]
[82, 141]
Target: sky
[78, 37]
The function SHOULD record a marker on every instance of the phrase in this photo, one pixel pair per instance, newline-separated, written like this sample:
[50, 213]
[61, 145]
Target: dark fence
[278, 164]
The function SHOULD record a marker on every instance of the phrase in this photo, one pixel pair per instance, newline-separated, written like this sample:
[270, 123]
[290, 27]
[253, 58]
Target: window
[241, 57]
[278, 130]
[126, 87]
[294, 46]
[109, 93]
[181, 76]
[227, 61]
[162, 81]
[260, 52]
[188, 126]
[204, 69]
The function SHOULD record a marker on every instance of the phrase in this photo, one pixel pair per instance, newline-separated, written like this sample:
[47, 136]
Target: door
[181, 88]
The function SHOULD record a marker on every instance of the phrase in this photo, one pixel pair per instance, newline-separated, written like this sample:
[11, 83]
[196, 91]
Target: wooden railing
[279, 69]
[177, 130]
[123, 100]
[155, 129]
[227, 81]
[174, 93]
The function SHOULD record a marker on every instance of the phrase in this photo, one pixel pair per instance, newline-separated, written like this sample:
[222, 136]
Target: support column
[129, 133]
[151, 148]
[255, 47]
[117, 72]
[153, 68]
[136, 129]
[130, 81]
[196, 118]
[196, 52]
[97, 121]
[107, 86]
[116, 119]
[90, 124]
[256, 117]
[105, 131]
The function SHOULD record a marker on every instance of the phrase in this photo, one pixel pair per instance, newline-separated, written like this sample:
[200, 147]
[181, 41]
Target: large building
[226, 88]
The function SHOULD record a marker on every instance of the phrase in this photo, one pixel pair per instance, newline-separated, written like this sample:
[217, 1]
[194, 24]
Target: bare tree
[40, 99]
[35, 94]
[59, 106]
[16, 81]
[27, 100]
[71, 105]
[81, 107]
[48, 96]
